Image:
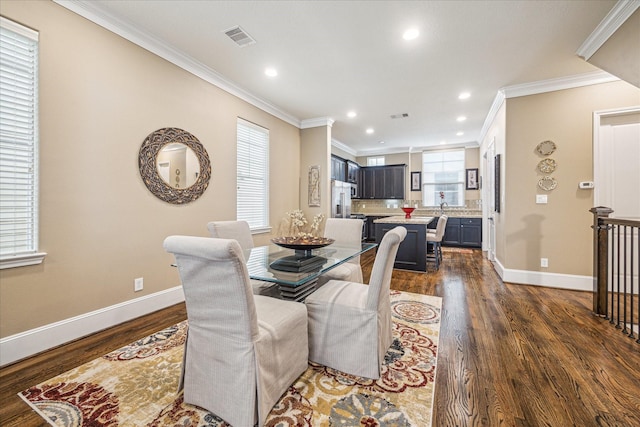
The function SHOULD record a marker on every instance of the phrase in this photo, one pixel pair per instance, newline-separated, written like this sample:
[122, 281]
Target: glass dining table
[297, 272]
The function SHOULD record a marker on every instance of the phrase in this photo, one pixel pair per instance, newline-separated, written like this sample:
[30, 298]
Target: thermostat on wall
[586, 184]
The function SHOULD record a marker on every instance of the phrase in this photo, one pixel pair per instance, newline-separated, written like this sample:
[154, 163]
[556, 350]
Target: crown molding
[343, 147]
[609, 25]
[317, 122]
[491, 115]
[561, 83]
[97, 15]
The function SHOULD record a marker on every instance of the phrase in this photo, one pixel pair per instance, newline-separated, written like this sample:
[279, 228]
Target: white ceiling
[336, 56]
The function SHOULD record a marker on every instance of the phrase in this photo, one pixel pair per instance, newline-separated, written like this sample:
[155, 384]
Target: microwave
[354, 191]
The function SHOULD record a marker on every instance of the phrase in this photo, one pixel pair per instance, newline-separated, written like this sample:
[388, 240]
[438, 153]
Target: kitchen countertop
[459, 214]
[400, 219]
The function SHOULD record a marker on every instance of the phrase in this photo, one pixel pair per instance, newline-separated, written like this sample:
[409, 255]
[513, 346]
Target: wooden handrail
[616, 257]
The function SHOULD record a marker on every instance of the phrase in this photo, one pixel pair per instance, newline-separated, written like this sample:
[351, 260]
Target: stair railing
[616, 265]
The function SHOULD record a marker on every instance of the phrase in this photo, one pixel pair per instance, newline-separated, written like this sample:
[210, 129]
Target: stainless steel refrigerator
[340, 199]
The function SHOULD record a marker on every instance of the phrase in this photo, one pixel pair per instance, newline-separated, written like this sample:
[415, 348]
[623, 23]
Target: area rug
[136, 385]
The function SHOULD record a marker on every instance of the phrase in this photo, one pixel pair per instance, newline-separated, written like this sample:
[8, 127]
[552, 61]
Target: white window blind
[375, 161]
[253, 175]
[18, 145]
[443, 173]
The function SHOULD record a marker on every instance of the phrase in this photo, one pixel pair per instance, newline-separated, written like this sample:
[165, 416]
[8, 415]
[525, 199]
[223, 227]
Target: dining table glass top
[273, 263]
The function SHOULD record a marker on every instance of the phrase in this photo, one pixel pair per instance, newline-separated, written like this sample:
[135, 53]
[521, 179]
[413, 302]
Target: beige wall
[559, 230]
[315, 150]
[100, 96]
[620, 54]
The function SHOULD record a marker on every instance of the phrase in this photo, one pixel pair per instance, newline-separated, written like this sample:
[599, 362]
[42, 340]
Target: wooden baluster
[600, 259]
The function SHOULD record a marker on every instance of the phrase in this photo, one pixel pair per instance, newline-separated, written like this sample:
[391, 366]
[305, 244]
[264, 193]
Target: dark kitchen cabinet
[382, 182]
[462, 232]
[452, 232]
[366, 183]
[471, 232]
[338, 168]
[352, 172]
[371, 227]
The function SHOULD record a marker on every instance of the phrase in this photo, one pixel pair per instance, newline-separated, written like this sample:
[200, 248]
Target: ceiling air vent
[400, 116]
[240, 36]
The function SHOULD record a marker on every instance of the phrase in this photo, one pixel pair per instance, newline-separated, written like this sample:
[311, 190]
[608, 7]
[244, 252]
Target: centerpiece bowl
[407, 212]
[306, 243]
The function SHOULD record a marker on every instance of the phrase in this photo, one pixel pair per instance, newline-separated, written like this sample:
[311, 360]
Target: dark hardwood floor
[509, 355]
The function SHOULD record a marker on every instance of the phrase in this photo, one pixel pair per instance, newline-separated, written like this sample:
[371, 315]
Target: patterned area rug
[136, 385]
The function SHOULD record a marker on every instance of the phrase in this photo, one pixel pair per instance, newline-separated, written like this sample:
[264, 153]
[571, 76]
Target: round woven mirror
[174, 165]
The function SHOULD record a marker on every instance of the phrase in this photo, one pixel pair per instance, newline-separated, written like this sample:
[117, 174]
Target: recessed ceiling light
[369, 131]
[461, 119]
[271, 72]
[381, 142]
[351, 114]
[460, 133]
[410, 34]
[443, 142]
[464, 95]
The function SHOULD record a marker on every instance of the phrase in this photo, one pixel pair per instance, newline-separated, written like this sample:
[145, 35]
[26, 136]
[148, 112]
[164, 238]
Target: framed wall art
[416, 181]
[314, 186]
[472, 182]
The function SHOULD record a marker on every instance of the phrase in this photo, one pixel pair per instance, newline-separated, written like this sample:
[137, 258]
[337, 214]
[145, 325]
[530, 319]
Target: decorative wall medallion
[546, 148]
[547, 165]
[148, 165]
[547, 183]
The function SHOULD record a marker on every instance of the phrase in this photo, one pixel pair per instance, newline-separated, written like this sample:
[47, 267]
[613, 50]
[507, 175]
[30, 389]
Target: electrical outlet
[541, 199]
[138, 284]
[544, 262]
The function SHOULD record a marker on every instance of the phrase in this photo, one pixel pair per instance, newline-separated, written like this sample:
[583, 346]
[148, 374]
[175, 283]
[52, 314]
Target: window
[253, 175]
[18, 146]
[375, 161]
[443, 173]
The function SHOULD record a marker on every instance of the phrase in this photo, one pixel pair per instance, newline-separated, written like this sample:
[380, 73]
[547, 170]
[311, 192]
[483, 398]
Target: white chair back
[237, 230]
[440, 227]
[345, 232]
[380, 279]
[242, 351]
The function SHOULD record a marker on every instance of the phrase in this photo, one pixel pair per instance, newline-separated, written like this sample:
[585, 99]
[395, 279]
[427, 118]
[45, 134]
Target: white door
[488, 194]
[617, 162]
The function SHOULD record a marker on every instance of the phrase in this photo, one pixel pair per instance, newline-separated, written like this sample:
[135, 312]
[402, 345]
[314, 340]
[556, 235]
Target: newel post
[600, 259]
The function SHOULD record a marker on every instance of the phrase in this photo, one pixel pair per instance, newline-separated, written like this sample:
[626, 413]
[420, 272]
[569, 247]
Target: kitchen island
[412, 252]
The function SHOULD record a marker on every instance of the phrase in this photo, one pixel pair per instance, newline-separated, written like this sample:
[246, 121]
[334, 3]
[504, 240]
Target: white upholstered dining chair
[350, 323]
[242, 351]
[345, 232]
[435, 239]
[240, 231]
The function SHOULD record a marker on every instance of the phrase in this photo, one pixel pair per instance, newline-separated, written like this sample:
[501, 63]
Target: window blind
[443, 172]
[253, 175]
[18, 141]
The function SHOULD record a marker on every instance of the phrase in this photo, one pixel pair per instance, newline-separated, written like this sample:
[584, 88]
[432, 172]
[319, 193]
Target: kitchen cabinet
[352, 172]
[382, 182]
[338, 168]
[371, 227]
[471, 232]
[463, 232]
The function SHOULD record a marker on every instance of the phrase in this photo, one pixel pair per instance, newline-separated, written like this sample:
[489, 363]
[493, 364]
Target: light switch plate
[541, 199]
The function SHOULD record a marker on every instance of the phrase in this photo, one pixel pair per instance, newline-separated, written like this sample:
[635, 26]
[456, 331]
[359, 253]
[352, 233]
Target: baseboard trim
[549, 280]
[28, 343]
[539, 278]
